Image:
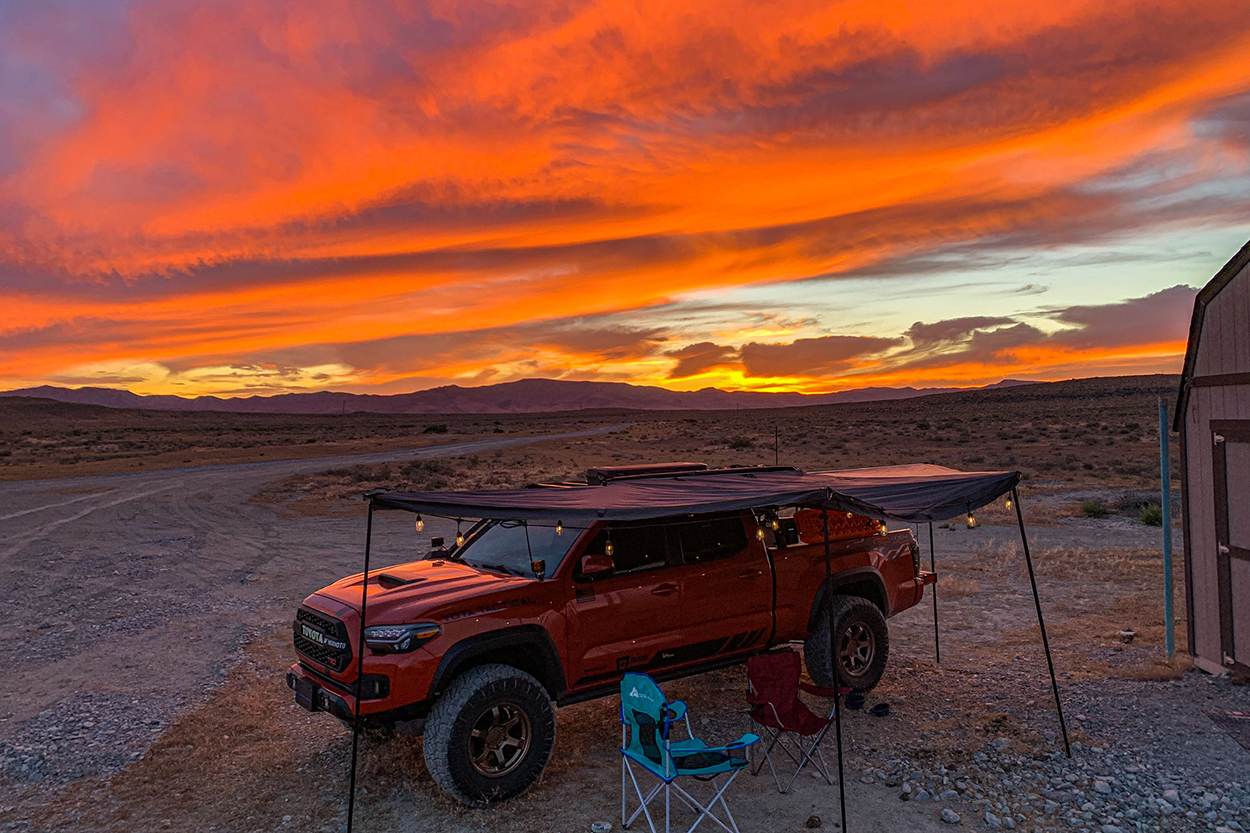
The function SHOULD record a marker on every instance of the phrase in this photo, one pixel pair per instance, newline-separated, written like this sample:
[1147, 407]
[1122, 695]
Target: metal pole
[360, 670]
[776, 445]
[937, 643]
[1037, 602]
[837, 675]
[1165, 475]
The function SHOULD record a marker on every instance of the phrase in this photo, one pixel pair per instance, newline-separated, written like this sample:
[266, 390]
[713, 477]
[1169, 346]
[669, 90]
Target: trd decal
[493, 607]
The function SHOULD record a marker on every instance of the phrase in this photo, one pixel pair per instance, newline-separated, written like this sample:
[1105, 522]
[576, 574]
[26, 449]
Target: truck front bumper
[312, 695]
[926, 578]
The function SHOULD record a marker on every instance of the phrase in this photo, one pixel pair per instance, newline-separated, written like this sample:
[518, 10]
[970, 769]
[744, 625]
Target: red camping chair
[773, 694]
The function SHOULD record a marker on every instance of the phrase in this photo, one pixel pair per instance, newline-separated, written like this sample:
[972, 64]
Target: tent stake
[937, 643]
[1037, 602]
[837, 674]
[360, 669]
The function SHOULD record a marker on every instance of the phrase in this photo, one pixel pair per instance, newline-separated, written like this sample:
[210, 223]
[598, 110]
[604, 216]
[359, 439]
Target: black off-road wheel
[861, 642]
[489, 736]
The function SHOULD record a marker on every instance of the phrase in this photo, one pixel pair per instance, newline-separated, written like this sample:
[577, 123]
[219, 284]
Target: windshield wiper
[500, 568]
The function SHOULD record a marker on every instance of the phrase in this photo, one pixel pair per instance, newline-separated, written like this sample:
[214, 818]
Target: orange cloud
[189, 185]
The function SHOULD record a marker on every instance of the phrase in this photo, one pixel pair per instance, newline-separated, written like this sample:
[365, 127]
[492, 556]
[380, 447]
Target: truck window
[711, 539]
[511, 544]
[638, 547]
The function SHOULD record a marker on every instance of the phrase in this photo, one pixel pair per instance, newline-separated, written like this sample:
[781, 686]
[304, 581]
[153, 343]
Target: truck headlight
[399, 639]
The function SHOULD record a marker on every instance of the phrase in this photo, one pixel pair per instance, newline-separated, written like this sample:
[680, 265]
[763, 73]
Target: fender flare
[531, 643]
[856, 575]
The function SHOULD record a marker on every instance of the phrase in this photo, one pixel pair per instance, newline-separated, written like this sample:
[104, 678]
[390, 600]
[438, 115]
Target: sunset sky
[249, 196]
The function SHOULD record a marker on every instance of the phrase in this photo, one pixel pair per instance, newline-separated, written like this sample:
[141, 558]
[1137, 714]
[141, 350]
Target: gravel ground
[145, 597]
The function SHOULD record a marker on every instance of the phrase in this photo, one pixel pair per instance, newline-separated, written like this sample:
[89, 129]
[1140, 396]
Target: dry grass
[261, 755]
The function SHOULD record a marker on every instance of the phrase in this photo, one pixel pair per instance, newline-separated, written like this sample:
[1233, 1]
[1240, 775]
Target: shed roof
[1205, 295]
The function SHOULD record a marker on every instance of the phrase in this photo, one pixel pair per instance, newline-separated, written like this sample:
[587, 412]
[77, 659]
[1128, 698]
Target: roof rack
[599, 475]
[706, 472]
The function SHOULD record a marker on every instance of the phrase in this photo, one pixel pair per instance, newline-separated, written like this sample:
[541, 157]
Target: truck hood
[431, 587]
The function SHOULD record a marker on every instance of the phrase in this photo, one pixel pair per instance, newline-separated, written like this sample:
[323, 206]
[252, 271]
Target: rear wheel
[861, 641]
[489, 736]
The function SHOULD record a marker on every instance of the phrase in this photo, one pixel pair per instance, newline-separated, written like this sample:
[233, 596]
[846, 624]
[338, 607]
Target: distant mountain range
[524, 396]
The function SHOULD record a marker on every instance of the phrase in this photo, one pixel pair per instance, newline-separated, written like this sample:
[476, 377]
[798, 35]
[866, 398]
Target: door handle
[664, 590]
[750, 574]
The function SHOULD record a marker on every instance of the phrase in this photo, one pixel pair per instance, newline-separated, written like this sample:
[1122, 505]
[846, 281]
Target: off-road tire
[469, 698]
[852, 614]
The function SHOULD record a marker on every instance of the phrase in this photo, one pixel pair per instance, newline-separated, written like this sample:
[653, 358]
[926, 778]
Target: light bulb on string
[1008, 503]
[608, 549]
[759, 532]
[972, 522]
[776, 524]
[420, 524]
[559, 527]
[459, 535]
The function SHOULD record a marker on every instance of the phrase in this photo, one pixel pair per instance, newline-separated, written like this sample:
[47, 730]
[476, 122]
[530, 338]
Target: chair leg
[643, 807]
[774, 736]
[705, 811]
[811, 755]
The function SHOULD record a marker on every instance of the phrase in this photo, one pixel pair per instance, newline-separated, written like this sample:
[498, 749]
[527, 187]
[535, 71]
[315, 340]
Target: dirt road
[103, 574]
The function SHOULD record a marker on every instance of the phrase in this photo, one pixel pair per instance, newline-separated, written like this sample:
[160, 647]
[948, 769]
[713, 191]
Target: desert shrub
[1152, 514]
[1094, 509]
[741, 442]
[435, 429]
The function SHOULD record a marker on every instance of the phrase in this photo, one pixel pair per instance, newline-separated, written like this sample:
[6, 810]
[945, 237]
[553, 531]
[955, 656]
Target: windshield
[502, 546]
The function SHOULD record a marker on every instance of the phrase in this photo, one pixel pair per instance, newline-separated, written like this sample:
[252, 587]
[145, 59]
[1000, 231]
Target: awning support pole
[837, 675]
[360, 670]
[1037, 602]
[937, 642]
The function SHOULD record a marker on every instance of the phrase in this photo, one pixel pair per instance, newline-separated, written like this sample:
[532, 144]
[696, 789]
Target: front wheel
[489, 736]
[861, 640]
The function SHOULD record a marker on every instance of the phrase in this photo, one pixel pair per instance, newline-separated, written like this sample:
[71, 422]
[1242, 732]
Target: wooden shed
[1213, 418]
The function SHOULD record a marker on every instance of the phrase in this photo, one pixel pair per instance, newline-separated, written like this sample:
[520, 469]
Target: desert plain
[152, 562]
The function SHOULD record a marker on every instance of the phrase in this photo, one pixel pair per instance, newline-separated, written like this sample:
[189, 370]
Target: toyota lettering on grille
[321, 639]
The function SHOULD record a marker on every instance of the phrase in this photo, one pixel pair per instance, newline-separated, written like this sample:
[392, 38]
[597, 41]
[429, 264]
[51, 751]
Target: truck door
[1232, 530]
[726, 585]
[627, 618]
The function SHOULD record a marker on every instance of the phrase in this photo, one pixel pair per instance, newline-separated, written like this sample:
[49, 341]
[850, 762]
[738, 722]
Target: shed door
[1232, 528]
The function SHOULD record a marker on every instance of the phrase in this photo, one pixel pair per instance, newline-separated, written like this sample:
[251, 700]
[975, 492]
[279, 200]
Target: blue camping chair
[646, 742]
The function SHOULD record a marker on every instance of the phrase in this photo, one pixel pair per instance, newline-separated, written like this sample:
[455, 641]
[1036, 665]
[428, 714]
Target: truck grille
[326, 650]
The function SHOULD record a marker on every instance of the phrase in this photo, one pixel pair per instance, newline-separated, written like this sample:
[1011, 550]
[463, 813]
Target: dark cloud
[823, 356]
[1159, 317]
[955, 329]
[696, 358]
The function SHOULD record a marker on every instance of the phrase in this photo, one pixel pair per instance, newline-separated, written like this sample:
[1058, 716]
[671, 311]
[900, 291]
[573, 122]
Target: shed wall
[1223, 348]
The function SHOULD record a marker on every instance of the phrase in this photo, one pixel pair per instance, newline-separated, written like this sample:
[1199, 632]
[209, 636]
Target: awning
[901, 493]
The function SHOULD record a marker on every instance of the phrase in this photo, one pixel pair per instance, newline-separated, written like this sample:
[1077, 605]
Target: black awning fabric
[902, 493]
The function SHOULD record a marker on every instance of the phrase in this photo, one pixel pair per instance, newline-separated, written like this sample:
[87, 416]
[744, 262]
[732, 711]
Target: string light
[559, 527]
[608, 549]
[759, 532]
[459, 535]
[420, 524]
[776, 524]
[1008, 503]
[972, 522]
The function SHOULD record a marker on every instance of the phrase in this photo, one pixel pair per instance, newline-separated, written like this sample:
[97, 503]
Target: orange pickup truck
[472, 648]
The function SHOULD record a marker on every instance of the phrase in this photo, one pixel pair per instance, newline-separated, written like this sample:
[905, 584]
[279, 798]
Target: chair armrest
[823, 692]
[742, 742]
[676, 710]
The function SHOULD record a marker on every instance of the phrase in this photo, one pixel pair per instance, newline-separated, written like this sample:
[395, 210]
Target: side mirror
[597, 565]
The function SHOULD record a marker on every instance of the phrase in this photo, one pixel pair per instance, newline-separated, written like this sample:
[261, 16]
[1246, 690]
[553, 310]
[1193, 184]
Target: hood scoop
[390, 580]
